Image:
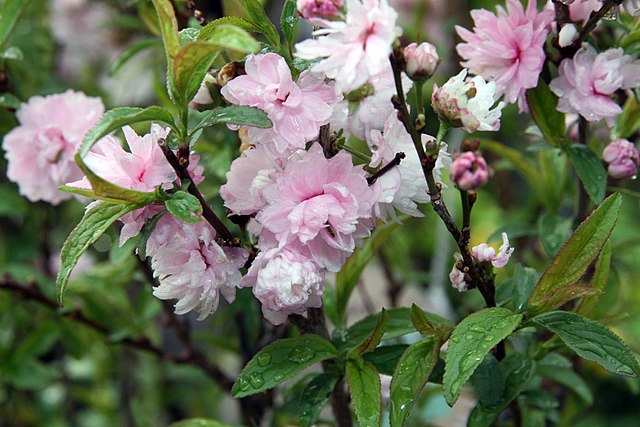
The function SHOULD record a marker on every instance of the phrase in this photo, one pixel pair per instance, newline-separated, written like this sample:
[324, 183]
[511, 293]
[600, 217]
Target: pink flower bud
[567, 35]
[316, 11]
[621, 157]
[421, 59]
[469, 171]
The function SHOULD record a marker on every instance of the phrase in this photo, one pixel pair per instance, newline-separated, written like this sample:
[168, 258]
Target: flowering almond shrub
[283, 174]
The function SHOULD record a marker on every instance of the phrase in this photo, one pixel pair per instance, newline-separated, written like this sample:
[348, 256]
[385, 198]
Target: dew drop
[301, 354]
[455, 339]
[256, 379]
[469, 337]
[264, 359]
[243, 383]
[278, 377]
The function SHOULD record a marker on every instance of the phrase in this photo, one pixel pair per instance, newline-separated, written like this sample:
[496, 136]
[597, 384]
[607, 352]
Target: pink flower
[354, 49]
[319, 203]
[621, 157]
[469, 171]
[580, 10]
[297, 110]
[317, 12]
[421, 60]
[457, 276]
[508, 48]
[586, 81]
[285, 281]
[467, 103]
[193, 269]
[40, 151]
[485, 253]
[251, 177]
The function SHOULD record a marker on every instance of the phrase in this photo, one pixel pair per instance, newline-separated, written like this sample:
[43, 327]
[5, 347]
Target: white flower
[467, 103]
[356, 48]
[567, 35]
[457, 275]
[485, 253]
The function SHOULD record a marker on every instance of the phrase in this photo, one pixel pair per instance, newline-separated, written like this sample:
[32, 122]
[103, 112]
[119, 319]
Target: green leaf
[232, 37]
[489, 381]
[236, 21]
[10, 12]
[237, 115]
[423, 325]
[410, 377]
[183, 206]
[8, 100]
[280, 361]
[364, 386]
[591, 340]
[188, 35]
[553, 230]
[169, 29]
[12, 53]
[568, 378]
[371, 342]
[118, 117]
[525, 280]
[470, 341]
[558, 284]
[398, 324]
[190, 66]
[599, 281]
[628, 122]
[348, 277]
[542, 105]
[289, 21]
[385, 358]
[590, 171]
[145, 234]
[95, 222]
[130, 52]
[314, 397]
[258, 17]
[517, 371]
[198, 422]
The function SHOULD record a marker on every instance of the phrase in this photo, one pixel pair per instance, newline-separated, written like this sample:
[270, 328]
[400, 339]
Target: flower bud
[469, 171]
[318, 11]
[229, 71]
[567, 35]
[421, 60]
[208, 96]
[621, 157]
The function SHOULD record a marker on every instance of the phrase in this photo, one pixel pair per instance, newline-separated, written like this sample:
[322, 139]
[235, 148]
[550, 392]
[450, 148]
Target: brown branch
[190, 357]
[386, 168]
[208, 213]
[197, 14]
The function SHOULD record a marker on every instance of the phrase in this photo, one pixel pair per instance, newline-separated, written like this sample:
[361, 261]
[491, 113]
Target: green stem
[419, 97]
[466, 209]
[357, 153]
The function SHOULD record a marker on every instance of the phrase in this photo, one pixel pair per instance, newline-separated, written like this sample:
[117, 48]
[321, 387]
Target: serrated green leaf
[398, 324]
[590, 171]
[10, 12]
[198, 422]
[314, 397]
[628, 122]
[116, 118]
[591, 340]
[232, 37]
[364, 386]
[422, 323]
[8, 100]
[553, 230]
[348, 277]
[281, 360]
[236, 21]
[191, 64]
[558, 284]
[371, 342]
[168, 29]
[130, 52]
[183, 206]
[542, 105]
[385, 358]
[410, 377]
[289, 21]
[188, 35]
[94, 223]
[525, 280]
[258, 17]
[237, 115]
[518, 371]
[470, 341]
[568, 378]
[489, 381]
[599, 281]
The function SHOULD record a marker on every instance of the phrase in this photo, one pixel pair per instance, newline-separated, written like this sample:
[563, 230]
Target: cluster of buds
[621, 157]
[469, 170]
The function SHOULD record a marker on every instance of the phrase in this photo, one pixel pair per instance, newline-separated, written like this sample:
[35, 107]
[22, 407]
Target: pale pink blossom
[404, 187]
[621, 157]
[359, 117]
[579, 11]
[467, 103]
[586, 82]
[507, 48]
[40, 151]
[354, 49]
[297, 110]
[251, 177]
[319, 203]
[457, 276]
[485, 253]
[421, 60]
[192, 268]
[469, 170]
[285, 281]
[317, 12]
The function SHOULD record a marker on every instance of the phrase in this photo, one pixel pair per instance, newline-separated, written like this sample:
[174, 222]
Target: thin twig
[386, 168]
